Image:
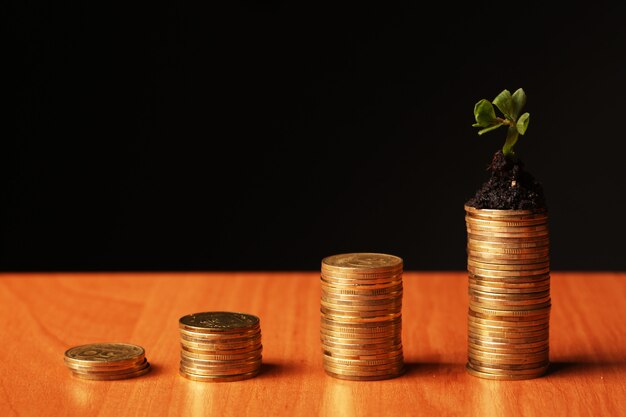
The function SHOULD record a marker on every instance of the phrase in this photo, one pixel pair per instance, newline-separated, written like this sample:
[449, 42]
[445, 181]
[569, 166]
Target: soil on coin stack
[509, 187]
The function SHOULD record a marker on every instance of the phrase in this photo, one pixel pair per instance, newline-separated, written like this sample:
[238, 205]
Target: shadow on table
[271, 370]
[422, 369]
[571, 368]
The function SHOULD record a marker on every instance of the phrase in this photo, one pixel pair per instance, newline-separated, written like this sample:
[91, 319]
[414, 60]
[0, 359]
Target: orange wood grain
[42, 315]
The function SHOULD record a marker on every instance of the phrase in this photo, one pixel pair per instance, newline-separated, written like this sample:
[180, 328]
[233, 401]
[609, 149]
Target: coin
[367, 263]
[509, 293]
[218, 321]
[104, 354]
[220, 346]
[105, 377]
[505, 376]
[210, 378]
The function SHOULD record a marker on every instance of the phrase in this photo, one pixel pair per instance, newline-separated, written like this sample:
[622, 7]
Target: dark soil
[509, 188]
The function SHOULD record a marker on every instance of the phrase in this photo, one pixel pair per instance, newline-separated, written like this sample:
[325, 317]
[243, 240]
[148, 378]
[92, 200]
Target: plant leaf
[519, 101]
[504, 102]
[484, 114]
[522, 123]
[511, 139]
[489, 129]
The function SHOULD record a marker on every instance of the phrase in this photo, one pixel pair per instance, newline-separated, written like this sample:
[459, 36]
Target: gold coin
[199, 357]
[509, 291]
[533, 230]
[505, 304]
[511, 241]
[495, 258]
[497, 243]
[335, 323]
[218, 321]
[220, 336]
[360, 290]
[499, 250]
[387, 373]
[213, 361]
[364, 362]
[510, 282]
[364, 304]
[221, 346]
[392, 353]
[360, 298]
[228, 341]
[512, 330]
[507, 223]
[505, 266]
[369, 284]
[108, 377]
[366, 319]
[362, 353]
[519, 369]
[508, 358]
[365, 344]
[508, 287]
[104, 354]
[507, 344]
[364, 370]
[474, 232]
[514, 296]
[513, 350]
[108, 367]
[363, 378]
[119, 368]
[479, 333]
[359, 336]
[208, 378]
[211, 351]
[217, 367]
[219, 373]
[505, 377]
[495, 274]
[361, 263]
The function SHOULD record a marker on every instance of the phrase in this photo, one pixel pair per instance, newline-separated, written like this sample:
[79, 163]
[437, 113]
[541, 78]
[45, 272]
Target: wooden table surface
[42, 315]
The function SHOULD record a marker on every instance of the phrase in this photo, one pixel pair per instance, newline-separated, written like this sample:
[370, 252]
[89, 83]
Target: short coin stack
[220, 346]
[509, 292]
[107, 361]
[361, 316]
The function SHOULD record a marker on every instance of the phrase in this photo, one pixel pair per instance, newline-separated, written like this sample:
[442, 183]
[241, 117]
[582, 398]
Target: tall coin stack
[220, 346]
[509, 293]
[361, 316]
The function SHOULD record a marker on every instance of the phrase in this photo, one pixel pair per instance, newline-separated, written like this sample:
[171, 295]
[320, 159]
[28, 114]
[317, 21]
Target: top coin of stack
[361, 316]
[107, 361]
[220, 346]
[509, 290]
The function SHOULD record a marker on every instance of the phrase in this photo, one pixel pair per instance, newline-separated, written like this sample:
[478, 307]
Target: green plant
[510, 106]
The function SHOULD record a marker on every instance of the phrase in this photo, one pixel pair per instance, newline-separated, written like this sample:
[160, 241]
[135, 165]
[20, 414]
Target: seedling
[511, 107]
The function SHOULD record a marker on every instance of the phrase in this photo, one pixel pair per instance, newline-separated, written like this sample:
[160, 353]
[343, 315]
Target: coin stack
[220, 346]
[361, 316]
[509, 293]
[107, 361]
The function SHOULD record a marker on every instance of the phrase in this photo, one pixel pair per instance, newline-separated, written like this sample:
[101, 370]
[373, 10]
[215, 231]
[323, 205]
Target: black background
[265, 136]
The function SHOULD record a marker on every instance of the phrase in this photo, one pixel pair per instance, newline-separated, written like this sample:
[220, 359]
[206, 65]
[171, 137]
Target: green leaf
[522, 123]
[511, 139]
[484, 114]
[489, 129]
[504, 102]
[519, 101]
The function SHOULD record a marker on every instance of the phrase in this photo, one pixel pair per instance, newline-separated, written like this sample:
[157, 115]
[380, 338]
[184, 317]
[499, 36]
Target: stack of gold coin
[107, 361]
[220, 346]
[361, 316]
[509, 293]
